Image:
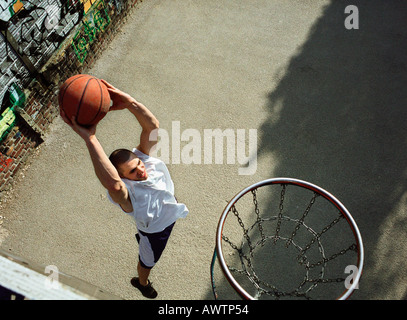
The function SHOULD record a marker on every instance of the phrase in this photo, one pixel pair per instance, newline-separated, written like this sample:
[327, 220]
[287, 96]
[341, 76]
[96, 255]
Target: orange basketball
[85, 97]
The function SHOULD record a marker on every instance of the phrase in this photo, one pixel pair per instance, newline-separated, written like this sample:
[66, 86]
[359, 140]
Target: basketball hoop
[300, 245]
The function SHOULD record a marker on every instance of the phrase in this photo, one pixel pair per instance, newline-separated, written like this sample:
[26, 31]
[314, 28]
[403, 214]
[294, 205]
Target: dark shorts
[152, 245]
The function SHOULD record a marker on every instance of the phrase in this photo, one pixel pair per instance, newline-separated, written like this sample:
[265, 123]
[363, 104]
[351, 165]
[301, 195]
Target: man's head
[128, 165]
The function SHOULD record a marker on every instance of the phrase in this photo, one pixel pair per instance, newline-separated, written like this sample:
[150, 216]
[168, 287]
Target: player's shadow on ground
[338, 119]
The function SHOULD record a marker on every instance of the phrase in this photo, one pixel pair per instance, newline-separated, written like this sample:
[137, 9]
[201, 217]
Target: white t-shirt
[154, 204]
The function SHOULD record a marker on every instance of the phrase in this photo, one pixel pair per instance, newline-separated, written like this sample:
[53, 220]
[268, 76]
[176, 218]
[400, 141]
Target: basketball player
[139, 184]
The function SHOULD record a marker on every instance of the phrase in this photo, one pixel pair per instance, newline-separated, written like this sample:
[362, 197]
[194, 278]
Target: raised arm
[104, 169]
[146, 119]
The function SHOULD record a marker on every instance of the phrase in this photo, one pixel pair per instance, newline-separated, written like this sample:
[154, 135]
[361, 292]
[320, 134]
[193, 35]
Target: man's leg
[143, 274]
[141, 282]
[151, 247]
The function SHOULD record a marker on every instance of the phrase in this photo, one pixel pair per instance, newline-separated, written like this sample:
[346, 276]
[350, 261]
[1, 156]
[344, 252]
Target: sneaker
[148, 291]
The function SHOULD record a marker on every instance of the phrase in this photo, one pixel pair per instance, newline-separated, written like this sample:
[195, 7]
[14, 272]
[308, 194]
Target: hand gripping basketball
[85, 132]
[120, 99]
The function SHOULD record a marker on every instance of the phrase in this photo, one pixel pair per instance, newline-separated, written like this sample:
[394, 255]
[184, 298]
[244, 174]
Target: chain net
[297, 245]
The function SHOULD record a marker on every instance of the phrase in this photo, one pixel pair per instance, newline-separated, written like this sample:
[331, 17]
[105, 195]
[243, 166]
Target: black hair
[120, 156]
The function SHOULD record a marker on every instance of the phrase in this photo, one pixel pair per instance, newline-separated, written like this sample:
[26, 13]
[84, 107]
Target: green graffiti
[95, 22]
[8, 117]
[7, 122]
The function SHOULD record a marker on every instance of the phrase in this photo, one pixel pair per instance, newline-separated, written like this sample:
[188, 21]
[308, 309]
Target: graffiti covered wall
[43, 42]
